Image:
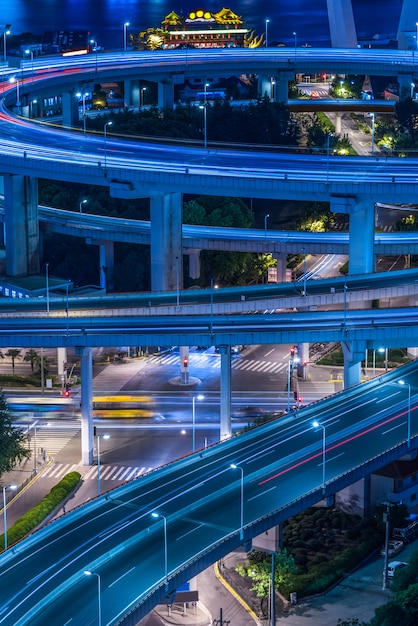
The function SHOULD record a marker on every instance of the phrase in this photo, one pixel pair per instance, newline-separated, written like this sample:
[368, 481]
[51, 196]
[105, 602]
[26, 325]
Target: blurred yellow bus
[123, 406]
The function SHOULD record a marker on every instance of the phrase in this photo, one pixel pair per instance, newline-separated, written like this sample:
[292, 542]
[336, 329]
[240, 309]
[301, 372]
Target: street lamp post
[177, 282]
[12, 488]
[402, 382]
[212, 293]
[81, 204]
[372, 116]
[125, 42]
[296, 42]
[234, 466]
[199, 397]
[105, 137]
[304, 271]
[47, 286]
[143, 89]
[83, 100]
[324, 450]
[88, 572]
[267, 23]
[98, 460]
[412, 90]
[291, 362]
[28, 51]
[265, 225]
[5, 33]
[16, 80]
[157, 515]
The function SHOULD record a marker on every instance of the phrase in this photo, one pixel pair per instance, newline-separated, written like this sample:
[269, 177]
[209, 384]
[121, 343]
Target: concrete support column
[264, 86]
[404, 82]
[281, 87]
[107, 264]
[341, 24]
[354, 352]
[69, 104]
[281, 259]
[338, 122]
[225, 425]
[166, 242]
[127, 85]
[86, 405]
[184, 364]
[194, 264]
[362, 223]
[166, 94]
[22, 227]
[61, 360]
[303, 365]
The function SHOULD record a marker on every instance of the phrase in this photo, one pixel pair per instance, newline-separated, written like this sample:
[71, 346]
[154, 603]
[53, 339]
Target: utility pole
[221, 621]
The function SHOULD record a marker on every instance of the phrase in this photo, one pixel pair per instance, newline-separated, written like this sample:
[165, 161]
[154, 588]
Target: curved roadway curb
[235, 594]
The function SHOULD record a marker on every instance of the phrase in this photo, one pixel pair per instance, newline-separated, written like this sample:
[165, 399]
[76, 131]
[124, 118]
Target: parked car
[394, 566]
[394, 547]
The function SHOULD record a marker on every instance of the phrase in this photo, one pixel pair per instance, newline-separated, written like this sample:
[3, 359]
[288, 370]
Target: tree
[12, 440]
[259, 570]
[30, 357]
[13, 354]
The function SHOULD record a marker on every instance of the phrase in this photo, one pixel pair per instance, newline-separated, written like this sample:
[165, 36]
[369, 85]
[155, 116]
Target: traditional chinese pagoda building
[201, 29]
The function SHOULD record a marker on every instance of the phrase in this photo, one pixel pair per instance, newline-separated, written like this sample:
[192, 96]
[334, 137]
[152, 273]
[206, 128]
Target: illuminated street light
[98, 460]
[105, 136]
[143, 89]
[83, 97]
[47, 286]
[324, 449]
[31, 58]
[157, 515]
[402, 382]
[265, 225]
[267, 23]
[198, 397]
[81, 204]
[12, 488]
[15, 80]
[290, 363]
[373, 117]
[296, 42]
[234, 466]
[5, 33]
[125, 42]
[88, 572]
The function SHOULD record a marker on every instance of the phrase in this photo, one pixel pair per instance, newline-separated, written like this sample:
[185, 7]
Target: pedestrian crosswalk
[50, 440]
[115, 473]
[214, 361]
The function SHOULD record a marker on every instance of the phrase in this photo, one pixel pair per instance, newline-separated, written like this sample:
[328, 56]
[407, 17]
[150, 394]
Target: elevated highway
[203, 508]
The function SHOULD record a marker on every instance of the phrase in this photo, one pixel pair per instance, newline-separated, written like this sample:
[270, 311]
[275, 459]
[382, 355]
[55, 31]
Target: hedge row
[323, 575]
[46, 506]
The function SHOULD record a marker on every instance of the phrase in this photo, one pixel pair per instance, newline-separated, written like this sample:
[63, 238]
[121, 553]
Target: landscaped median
[45, 509]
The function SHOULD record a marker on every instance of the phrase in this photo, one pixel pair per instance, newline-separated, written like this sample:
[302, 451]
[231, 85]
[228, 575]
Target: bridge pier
[225, 422]
[131, 92]
[166, 242]
[362, 224]
[69, 105]
[21, 224]
[194, 264]
[86, 405]
[107, 264]
[166, 94]
[354, 352]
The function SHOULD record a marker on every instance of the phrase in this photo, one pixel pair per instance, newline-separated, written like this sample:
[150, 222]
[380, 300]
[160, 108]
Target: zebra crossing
[50, 440]
[115, 473]
[214, 361]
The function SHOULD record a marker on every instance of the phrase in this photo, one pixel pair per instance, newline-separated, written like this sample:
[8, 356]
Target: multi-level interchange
[210, 502]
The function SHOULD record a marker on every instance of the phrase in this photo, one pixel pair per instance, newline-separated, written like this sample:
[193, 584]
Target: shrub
[46, 506]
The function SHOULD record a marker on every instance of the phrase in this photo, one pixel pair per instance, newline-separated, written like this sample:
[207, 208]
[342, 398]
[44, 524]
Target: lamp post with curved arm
[316, 424]
[5, 488]
[156, 516]
[241, 532]
[105, 137]
[88, 572]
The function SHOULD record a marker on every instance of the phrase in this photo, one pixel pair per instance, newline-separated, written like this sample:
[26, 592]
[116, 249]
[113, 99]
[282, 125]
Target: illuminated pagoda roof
[201, 18]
